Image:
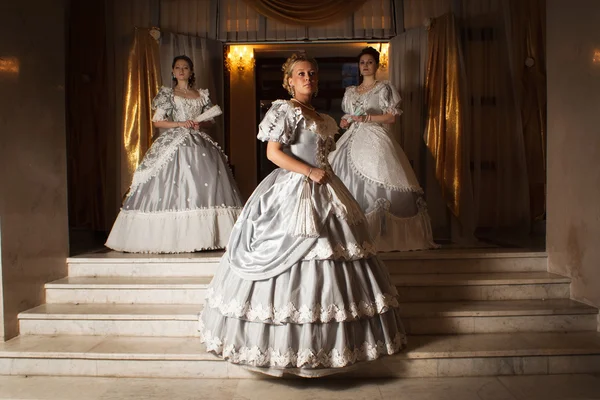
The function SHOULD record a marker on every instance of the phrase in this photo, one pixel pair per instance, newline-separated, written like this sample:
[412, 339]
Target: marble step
[180, 320]
[426, 356]
[415, 287]
[553, 315]
[116, 264]
[481, 286]
[123, 290]
[446, 261]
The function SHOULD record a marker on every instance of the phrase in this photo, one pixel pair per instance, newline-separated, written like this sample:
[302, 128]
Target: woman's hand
[318, 175]
[187, 124]
[344, 124]
[361, 118]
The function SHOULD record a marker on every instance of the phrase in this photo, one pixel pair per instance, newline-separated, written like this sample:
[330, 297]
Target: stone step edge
[35, 314]
[204, 356]
[405, 256]
[399, 280]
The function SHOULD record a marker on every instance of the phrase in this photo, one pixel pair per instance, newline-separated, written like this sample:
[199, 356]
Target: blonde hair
[288, 68]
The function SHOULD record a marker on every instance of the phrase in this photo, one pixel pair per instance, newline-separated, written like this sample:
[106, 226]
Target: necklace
[184, 90]
[363, 88]
[304, 105]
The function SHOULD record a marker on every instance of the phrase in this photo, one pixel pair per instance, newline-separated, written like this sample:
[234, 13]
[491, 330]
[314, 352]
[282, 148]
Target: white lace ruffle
[392, 233]
[395, 175]
[158, 155]
[281, 121]
[351, 251]
[182, 213]
[306, 357]
[303, 315]
[162, 152]
[172, 231]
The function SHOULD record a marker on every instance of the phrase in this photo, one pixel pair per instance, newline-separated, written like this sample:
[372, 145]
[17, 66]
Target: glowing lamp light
[240, 58]
[596, 58]
[9, 65]
[384, 55]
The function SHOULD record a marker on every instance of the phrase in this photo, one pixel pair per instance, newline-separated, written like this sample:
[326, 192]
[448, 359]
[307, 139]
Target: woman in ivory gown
[373, 166]
[300, 289]
[183, 197]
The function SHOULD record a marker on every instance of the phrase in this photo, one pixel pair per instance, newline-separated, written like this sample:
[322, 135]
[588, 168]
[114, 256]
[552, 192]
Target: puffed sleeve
[205, 96]
[346, 102]
[162, 104]
[389, 100]
[279, 123]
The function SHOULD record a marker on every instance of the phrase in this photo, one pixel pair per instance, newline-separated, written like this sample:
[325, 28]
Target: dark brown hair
[192, 78]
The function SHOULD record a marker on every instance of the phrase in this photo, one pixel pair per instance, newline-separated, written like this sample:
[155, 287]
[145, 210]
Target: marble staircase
[468, 313]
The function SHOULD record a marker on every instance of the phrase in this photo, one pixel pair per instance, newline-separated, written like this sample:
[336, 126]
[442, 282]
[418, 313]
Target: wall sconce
[383, 55]
[9, 66]
[240, 58]
[596, 58]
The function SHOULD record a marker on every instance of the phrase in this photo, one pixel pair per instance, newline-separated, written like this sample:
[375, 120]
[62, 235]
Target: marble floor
[546, 387]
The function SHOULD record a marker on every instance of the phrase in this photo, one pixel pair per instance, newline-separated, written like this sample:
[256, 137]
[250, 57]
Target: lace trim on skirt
[291, 314]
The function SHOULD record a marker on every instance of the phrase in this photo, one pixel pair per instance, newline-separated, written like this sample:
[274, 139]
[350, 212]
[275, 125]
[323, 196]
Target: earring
[293, 91]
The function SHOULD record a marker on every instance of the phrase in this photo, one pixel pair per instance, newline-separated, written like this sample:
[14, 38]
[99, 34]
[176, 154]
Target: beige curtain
[416, 12]
[143, 81]
[498, 154]
[207, 56]
[307, 12]
[527, 37]
[408, 70]
[240, 22]
[190, 17]
[502, 61]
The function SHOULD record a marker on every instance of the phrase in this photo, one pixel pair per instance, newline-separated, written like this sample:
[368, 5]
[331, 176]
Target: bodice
[176, 108]
[305, 147]
[305, 138]
[185, 109]
[381, 99]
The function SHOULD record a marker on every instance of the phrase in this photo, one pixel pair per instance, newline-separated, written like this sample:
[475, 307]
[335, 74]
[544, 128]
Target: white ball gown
[300, 289]
[183, 197]
[375, 169]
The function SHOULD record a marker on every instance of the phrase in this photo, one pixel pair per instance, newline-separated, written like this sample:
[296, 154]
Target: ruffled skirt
[183, 198]
[332, 307]
[376, 171]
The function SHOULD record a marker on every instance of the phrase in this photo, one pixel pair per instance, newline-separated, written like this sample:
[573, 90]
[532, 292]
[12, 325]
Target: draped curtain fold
[445, 125]
[307, 12]
[526, 33]
[241, 22]
[408, 70]
[501, 158]
[142, 84]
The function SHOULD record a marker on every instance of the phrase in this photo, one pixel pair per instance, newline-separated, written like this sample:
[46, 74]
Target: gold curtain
[444, 131]
[307, 12]
[143, 80]
[528, 40]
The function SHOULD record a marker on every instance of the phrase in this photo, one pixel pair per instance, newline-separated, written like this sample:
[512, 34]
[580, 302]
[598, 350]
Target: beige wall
[573, 224]
[33, 178]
